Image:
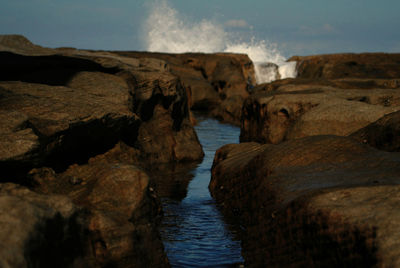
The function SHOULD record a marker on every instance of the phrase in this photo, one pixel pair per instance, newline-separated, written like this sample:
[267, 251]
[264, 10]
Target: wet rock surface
[319, 201]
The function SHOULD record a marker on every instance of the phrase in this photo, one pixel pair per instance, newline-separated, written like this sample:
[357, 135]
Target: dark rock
[218, 83]
[316, 201]
[343, 83]
[365, 65]
[161, 103]
[41, 230]
[58, 126]
[383, 134]
[124, 212]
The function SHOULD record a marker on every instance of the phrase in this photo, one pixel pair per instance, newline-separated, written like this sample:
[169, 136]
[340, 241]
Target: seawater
[166, 30]
[193, 230]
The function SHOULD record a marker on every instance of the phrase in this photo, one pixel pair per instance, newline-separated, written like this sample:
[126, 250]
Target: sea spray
[167, 31]
[269, 63]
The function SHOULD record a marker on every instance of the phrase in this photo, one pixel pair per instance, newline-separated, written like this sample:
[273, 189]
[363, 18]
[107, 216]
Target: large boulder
[316, 201]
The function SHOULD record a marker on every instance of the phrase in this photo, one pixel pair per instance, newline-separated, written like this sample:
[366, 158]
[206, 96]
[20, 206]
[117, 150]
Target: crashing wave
[167, 31]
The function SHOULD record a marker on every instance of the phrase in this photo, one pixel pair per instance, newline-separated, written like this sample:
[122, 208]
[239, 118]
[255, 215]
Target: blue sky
[297, 27]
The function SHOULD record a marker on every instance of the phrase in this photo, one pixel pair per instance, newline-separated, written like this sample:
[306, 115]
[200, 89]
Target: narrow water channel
[193, 229]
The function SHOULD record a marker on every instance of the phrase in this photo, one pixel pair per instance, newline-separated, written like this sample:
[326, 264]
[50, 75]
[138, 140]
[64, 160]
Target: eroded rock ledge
[313, 191]
[333, 94]
[315, 201]
[217, 83]
[85, 126]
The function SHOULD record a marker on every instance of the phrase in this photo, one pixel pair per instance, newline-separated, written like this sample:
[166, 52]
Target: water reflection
[193, 229]
[172, 180]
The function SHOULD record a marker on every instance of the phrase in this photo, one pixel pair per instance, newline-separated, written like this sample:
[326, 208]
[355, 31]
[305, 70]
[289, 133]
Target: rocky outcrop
[294, 111]
[20, 44]
[218, 83]
[333, 94]
[304, 197]
[41, 230]
[124, 210]
[162, 104]
[315, 201]
[57, 126]
[383, 134]
[65, 109]
[342, 83]
[334, 66]
[85, 125]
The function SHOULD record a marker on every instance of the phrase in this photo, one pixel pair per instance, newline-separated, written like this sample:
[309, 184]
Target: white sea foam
[262, 53]
[168, 31]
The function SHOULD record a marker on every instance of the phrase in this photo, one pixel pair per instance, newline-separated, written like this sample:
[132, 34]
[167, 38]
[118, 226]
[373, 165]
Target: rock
[382, 134]
[343, 83]
[69, 105]
[333, 94]
[229, 110]
[215, 81]
[41, 230]
[79, 124]
[294, 111]
[333, 66]
[57, 126]
[161, 103]
[124, 211]
[20, 44]
[315, 201]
